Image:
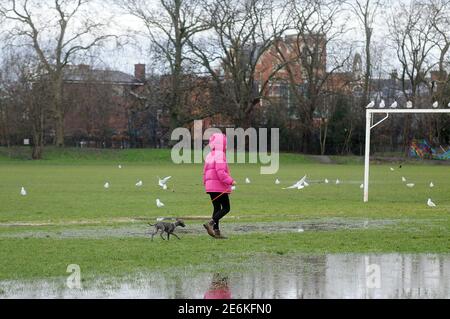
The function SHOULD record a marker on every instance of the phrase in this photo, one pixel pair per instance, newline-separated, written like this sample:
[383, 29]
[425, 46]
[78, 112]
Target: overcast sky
[124, 58]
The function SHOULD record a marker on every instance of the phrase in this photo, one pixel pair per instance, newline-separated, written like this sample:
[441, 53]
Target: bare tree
[242, 32]
[412, 36]
[313, 50]
[440, 20]
[4, 109]
[439, 11]
[170, 25]
[414, 42]
[91, 104]
[36, 114]
[25, 99]
[66, 30]
[366, 11]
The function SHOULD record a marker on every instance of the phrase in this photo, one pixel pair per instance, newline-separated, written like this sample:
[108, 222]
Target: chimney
[139, 72]
[438, 76]
[84, 67]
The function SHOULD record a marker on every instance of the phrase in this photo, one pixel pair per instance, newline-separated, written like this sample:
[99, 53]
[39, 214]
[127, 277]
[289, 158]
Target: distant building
[99, 103]
[276, 67]
[285, 61]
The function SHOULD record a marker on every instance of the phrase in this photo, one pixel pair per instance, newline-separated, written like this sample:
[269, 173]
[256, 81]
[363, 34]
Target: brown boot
[210, 228]
[218, 235]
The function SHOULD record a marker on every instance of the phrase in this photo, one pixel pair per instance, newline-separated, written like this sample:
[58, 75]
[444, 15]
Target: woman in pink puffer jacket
[218, 182]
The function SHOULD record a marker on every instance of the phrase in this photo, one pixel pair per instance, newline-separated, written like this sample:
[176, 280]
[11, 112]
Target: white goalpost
[370, 125]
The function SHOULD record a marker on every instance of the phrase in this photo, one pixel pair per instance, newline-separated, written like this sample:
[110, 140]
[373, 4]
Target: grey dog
[168, 228]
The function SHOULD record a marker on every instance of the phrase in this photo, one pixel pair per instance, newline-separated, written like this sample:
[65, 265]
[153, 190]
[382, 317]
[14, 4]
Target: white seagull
[159, 204]
[299, 185]
[107, 185]
[409, 105]
[277, 182]
[120, 166]
[382, 104]
[435, 105]
[327, 181]
[430, 203]
[247, 180]
[163, 182]
[404, 179]
[338, 182]
[23, 192]
[371, 105]
[392, 169]
[362, 186]
[431, 185]
[394, 105]
[140, 184]
[411, 185]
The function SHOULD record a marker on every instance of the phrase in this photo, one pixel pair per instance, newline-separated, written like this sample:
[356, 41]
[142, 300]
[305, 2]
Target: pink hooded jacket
[216, 174]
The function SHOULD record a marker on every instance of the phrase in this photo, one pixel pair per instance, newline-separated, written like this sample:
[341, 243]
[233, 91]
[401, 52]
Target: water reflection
[219, 289]
[326, 276]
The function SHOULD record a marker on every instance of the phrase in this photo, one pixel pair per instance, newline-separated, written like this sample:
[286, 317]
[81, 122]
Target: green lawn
[66, 193]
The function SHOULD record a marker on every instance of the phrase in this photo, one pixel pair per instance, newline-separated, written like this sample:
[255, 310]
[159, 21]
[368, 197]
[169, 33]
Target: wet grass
[66, 193]
[44, 258]
[75, 193]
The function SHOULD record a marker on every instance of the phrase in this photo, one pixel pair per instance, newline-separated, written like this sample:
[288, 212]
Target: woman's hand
[234, 183]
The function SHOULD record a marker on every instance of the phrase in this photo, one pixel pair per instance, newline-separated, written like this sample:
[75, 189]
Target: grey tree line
[217, 46]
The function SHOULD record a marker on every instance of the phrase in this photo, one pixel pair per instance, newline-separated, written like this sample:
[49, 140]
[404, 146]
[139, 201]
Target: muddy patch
[330, 225]
[68, 223]
[196, 228]
[339, 276]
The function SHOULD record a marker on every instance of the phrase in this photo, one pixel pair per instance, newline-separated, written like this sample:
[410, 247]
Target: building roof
[84, 74]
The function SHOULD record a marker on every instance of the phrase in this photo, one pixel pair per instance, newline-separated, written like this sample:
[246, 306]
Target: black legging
[221, 207]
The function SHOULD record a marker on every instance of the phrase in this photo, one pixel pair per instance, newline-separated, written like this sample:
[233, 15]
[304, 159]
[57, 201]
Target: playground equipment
[443, 156]
[423, 150]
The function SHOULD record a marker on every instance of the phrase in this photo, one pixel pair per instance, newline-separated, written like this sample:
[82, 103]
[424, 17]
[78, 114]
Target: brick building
[99, 104]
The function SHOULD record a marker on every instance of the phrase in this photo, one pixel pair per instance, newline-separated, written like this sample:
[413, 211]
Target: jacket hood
[218, 142]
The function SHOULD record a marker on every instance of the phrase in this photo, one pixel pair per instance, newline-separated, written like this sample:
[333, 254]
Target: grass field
[69, 218]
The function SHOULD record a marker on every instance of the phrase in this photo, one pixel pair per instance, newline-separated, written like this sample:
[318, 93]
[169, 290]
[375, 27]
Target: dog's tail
[151, 225]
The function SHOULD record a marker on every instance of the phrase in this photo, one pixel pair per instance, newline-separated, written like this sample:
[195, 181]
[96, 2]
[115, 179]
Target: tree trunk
[177, 72]
[4, 119]
[306, 139]
[323, 139]
[406, 133]
[59, 127]
[37, 151]
[59, 112]
[38, 136]
[348, 138]
[368, 74]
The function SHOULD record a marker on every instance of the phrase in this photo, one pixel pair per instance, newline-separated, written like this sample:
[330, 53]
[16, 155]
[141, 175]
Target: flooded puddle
[294, 277]
[195, 228]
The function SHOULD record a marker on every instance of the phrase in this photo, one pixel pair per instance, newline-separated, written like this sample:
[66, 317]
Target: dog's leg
[153, 234]
[168, 236]
[173, 234]
[162, 233]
